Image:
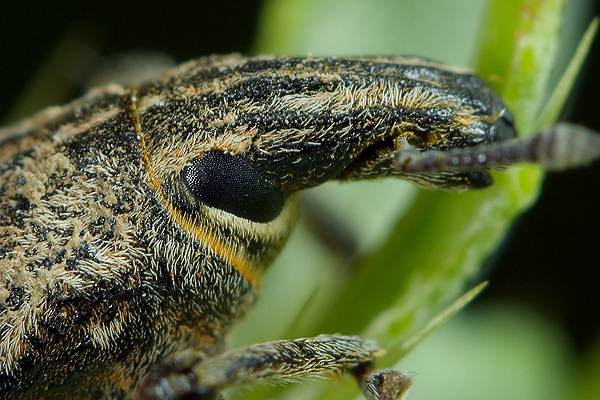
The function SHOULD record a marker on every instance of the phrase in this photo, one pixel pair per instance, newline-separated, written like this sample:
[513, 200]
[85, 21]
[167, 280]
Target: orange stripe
[195, 229]
[204, 235]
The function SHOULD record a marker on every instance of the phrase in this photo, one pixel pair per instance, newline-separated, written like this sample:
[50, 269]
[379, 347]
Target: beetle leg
[382, 384]
[281, 361]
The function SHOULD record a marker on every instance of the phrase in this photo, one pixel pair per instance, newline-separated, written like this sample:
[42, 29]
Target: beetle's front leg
[187, 377]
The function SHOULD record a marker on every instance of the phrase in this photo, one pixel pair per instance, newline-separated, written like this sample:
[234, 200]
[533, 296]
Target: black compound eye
[231, 184]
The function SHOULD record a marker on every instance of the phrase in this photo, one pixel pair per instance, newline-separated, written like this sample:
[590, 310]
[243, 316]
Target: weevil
[136, 222]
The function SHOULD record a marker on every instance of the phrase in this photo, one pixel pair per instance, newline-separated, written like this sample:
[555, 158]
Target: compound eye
[232, 184]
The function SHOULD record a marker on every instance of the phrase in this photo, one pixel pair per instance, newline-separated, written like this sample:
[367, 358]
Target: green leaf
[518, 53]
[561, 92]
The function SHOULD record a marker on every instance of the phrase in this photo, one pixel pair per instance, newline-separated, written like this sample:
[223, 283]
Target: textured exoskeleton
[135, 222]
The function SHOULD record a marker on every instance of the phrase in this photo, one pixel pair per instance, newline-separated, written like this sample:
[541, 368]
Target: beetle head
[238, 137]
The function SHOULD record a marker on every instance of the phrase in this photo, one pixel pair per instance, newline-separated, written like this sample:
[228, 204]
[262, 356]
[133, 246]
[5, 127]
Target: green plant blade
[559, 96]
[523, 75]
[434, 324]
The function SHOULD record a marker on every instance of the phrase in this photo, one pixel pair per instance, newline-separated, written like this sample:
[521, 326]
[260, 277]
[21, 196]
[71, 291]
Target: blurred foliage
[496, 353]
[419, 248]
[587, 383]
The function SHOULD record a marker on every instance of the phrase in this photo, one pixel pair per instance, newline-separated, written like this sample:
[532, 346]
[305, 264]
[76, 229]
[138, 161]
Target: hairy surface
[109, 258]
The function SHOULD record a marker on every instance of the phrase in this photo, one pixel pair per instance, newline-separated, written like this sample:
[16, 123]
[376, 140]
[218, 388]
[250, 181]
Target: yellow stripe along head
[219, 200]
[228, 236]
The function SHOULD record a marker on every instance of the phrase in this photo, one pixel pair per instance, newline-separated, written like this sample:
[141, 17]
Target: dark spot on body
[59, 256]
[16, 298]
[109, 313]
[41, 232]
[26, 362]
[71, 264]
